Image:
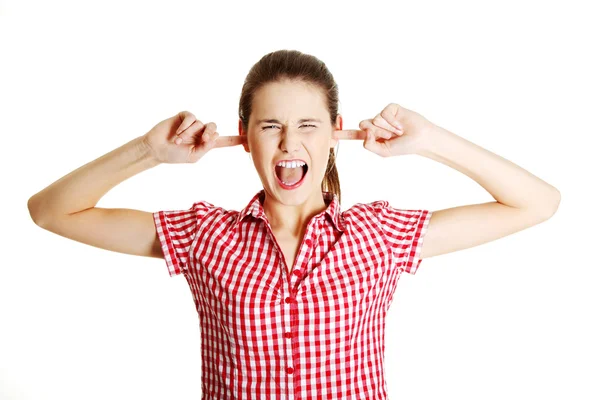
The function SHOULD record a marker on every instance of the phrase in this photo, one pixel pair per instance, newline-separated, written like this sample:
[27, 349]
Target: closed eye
[275, 126]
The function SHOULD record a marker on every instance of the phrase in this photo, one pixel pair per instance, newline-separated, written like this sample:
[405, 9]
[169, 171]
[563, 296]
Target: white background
[516, 318]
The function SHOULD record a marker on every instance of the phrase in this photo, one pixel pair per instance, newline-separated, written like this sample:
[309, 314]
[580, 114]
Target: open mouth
[290, 178]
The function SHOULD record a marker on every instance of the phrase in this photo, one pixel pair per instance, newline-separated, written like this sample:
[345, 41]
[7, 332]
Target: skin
[289, 211]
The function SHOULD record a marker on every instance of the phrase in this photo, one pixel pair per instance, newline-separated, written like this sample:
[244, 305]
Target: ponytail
[331, 181]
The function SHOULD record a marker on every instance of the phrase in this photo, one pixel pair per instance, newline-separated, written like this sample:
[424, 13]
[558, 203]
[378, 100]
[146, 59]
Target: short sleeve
[405, 231]
[176, 231]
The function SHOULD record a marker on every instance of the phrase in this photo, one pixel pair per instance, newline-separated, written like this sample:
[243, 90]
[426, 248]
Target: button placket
[290, 307]
[309, 243]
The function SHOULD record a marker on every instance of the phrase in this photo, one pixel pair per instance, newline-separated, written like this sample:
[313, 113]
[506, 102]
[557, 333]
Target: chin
[293, 197]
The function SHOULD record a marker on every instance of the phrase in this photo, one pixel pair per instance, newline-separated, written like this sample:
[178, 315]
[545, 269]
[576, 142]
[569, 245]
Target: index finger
[350, 134]
[226, 141]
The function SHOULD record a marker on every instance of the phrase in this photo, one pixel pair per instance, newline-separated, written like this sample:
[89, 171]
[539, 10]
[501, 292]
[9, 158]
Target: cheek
[260, 153]
[325, 149]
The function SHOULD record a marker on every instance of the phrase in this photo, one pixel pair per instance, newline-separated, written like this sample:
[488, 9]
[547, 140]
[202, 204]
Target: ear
[241, 131]
[338, 126]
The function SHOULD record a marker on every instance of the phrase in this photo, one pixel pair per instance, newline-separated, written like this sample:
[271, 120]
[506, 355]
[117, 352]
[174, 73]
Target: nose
[290, 141]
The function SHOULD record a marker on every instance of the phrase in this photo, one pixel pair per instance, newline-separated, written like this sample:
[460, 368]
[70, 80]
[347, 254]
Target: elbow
[552, 206]
[35, 211]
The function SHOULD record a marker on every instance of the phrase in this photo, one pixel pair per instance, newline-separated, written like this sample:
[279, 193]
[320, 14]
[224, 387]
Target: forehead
[288, 100]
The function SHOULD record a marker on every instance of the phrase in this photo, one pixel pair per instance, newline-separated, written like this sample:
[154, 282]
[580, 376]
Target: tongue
[289, 175]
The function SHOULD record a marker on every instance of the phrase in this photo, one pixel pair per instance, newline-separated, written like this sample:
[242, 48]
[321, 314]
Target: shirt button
[288, 299]
[290, 370]
[309, 242]
[288, 335]
[297, 272]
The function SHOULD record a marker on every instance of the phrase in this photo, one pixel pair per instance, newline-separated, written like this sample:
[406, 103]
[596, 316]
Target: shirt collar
[255, 208]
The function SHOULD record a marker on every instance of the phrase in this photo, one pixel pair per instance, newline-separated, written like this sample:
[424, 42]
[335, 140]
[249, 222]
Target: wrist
[146, 151]
[431, 141]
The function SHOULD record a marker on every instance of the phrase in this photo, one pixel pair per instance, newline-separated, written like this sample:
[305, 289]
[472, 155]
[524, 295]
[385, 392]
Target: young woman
[291, 291]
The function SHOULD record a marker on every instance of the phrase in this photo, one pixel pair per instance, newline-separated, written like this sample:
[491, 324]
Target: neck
[292, 219]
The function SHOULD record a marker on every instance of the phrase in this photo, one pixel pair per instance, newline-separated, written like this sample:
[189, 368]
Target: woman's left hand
[394, 131]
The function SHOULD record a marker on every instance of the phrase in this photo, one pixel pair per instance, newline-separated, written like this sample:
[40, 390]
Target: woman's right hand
[184, 139]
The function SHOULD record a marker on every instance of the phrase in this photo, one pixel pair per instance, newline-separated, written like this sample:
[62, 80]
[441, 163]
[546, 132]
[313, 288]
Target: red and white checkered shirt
[315, 333]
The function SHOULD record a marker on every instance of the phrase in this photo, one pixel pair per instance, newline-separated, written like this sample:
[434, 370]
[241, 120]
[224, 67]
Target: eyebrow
[276, 121]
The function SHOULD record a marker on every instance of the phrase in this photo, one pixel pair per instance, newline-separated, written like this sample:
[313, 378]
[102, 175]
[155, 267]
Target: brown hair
[294, 65]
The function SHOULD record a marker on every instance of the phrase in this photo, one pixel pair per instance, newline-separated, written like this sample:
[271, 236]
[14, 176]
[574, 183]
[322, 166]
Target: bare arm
[67, 207]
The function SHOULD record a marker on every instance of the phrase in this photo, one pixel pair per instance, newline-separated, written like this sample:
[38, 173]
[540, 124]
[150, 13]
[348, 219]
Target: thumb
[373, 145]
[369, 142]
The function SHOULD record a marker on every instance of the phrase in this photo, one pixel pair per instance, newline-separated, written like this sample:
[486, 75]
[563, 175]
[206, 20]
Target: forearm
[508, 183]
[82, 188]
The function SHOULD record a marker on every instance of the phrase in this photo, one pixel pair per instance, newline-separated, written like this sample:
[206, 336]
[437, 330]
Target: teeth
[291, 164]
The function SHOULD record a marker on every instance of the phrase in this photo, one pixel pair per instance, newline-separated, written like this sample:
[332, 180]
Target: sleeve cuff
[166, 244]
[413, 260]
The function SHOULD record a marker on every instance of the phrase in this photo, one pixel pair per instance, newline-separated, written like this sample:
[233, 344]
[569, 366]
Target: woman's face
[290, 121]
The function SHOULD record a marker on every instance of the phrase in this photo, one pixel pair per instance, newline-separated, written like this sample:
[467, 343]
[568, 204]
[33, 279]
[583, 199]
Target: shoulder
[365, 215]
[200, 211]
[207, 209]
[380, 212]
[373, 208]
[204, 206]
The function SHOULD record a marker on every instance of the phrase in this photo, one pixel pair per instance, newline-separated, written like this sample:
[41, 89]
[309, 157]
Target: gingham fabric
[314, 333]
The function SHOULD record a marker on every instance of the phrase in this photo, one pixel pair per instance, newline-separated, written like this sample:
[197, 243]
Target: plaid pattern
[314, 333]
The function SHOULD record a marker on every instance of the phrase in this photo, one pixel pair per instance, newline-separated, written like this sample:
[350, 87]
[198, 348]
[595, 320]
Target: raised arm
[522, 199]
[68, 206]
